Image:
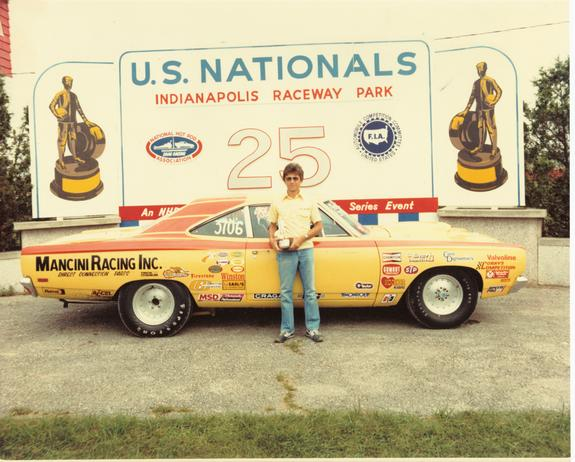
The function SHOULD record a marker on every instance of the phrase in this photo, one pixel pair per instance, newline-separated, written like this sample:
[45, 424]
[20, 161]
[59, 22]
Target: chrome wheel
[153, 304]
[442, 294]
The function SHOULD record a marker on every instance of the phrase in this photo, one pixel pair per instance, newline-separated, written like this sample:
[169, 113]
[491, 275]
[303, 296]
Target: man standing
[290, 235]
[486, 93]
[64, 106]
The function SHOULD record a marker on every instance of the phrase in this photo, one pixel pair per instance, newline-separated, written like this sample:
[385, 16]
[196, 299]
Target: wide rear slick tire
[154, 308]
[442, 298]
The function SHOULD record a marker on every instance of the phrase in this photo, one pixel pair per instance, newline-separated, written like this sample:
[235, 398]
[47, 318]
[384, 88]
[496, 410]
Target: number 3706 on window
[287, 137]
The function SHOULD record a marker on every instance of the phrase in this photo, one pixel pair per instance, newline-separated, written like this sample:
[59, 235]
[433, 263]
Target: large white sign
[366, 120]
[209, 121]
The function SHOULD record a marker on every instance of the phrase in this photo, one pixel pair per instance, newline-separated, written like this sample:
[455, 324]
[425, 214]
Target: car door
[346, 267]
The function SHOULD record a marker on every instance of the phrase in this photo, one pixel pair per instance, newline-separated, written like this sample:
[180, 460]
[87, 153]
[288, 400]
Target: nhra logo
[377, 137]
[170, 148]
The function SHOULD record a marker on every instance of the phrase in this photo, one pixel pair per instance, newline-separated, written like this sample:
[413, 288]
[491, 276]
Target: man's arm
[272, 228]
[79, 108]
[54, 104]
[314, 231]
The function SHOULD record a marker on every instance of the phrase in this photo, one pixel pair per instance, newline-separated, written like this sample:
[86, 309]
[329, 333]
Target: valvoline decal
[174, 148]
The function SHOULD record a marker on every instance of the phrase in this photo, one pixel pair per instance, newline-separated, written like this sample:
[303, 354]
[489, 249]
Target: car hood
[428, 231]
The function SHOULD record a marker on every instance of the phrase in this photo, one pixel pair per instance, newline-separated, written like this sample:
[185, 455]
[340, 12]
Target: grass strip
[314, 434]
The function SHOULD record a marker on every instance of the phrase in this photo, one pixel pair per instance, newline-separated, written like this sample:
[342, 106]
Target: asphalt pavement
[512, 354]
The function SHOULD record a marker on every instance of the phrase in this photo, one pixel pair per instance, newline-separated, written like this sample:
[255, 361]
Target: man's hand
[297, 241]
[274, 245]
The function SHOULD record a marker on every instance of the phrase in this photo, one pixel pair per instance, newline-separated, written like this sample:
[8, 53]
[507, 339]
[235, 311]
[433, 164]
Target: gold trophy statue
[479, 166]
[76, 177]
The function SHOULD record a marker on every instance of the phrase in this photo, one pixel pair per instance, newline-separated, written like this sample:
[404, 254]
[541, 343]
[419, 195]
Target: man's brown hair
[293, 167]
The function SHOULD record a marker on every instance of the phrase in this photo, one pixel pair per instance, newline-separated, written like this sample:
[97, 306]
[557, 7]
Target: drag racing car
[215, 253]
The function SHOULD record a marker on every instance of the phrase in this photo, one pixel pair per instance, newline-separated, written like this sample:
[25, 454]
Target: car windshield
[349, 219]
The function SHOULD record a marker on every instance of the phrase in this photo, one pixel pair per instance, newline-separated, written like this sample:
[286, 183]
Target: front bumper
[29, 286]
[519, 284]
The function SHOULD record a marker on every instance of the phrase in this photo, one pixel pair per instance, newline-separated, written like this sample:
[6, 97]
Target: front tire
[442, 298]
[154, 308]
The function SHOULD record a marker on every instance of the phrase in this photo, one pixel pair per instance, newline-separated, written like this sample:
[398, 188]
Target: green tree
[15, 182]
[546, 137]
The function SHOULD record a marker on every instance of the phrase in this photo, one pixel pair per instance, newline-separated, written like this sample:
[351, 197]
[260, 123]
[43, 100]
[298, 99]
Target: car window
[259, 219]
[330, 227]
[230, 225]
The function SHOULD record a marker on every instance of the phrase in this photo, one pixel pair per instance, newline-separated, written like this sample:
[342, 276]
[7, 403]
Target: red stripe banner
[5, 63]
[398, 205]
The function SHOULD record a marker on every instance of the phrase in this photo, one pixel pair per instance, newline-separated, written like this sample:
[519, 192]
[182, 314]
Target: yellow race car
[215, 253]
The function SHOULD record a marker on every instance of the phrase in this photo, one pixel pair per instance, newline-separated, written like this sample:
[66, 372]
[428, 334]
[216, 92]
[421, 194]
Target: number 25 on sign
[287, 135]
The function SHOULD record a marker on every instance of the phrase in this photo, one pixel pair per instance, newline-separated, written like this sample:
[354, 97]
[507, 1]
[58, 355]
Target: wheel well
[182, 285]
[472, 272]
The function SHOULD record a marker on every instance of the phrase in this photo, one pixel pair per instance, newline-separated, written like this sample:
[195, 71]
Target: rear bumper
[29, 286]
[519, 284]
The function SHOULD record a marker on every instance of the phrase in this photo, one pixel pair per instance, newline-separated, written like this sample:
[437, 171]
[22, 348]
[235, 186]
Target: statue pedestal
[77, 181]
[480, 172]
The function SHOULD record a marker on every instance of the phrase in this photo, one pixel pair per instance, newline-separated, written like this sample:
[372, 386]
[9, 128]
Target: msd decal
[174, 147]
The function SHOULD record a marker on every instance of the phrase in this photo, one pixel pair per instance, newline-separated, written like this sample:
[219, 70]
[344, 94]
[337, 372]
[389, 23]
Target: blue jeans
[289, 263]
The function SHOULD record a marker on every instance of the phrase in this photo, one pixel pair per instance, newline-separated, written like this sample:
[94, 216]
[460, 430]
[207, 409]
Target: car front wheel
[154, 308]
[442, 298]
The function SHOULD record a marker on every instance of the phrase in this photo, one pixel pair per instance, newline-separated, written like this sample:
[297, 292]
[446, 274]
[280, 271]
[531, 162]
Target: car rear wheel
[154, 308]
[442, 298]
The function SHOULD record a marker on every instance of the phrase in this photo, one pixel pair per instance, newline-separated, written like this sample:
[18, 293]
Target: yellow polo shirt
[293, 216]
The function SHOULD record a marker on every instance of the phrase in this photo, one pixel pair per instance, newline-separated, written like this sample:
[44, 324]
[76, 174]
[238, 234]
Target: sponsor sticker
[268, 296]
[236, 254]
[148, 274]
[363, 285]
[420, 257]
[201, 275]
[205, 285]
[497, 274]
[399, 284]
[174, 147]
[223, 261]
[221, 297]
[501, 257]
[377, 137]
[237, 261]
[233, 285]
[51, 291]
[237, 269]
[215, 269]
[452, 256]
[101, 293]
[355, 295]
[299, 296]
[176, 272]
[391, 257]
[388, 298]
[391, 269]
[494, 265]
[496, 289]
[411, 269]
[387, 282]
[222, 254]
